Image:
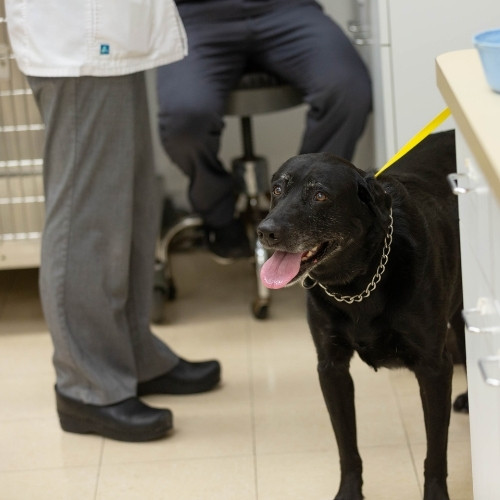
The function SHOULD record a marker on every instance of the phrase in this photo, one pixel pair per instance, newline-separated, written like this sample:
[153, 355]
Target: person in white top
[85, 62]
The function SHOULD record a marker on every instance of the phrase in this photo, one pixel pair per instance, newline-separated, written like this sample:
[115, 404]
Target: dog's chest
[378, 347]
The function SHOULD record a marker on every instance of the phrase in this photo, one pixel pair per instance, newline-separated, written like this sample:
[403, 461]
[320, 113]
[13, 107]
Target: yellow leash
[420, 136]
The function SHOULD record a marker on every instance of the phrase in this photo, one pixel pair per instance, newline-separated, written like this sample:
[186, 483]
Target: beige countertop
[475, 108]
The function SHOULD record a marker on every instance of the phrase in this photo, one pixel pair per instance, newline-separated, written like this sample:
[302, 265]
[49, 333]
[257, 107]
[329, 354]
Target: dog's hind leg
[461, 403]
[338, 391]
[435, 392]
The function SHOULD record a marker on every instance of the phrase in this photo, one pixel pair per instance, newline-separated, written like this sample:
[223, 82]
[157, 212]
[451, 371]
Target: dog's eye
[319, 196]
[277, 191]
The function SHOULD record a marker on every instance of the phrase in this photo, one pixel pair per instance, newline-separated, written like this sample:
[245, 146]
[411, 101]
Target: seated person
[293, 39]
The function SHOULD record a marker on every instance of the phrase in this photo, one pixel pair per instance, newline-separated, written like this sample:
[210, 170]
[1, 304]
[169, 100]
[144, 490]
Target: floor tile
[40, 444]
[70, 483]
[216, 424]
[25, 354]
[217, 479]
[298, 476]
[27, 397]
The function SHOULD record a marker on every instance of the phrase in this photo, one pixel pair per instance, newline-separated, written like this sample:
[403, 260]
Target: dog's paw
[435, 490]
[345, 495]
[461, 403]
[350, 489]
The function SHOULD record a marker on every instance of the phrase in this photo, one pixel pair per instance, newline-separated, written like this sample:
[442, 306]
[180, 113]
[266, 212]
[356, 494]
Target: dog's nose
[268, 233]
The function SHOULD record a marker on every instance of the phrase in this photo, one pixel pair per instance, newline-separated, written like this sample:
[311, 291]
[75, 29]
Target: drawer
[483, 376]
[476, 207]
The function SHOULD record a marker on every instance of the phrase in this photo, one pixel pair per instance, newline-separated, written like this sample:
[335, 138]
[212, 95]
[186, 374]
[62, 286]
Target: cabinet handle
[482, 319]
[360, 33]
[486, 365]
[453, 181]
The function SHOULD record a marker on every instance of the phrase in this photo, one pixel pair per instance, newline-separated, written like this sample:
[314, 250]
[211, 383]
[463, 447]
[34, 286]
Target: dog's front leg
[338, 392]
[435, 392]
[334, 355]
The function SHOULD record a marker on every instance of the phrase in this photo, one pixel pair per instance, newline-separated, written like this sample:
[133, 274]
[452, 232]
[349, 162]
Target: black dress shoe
[229, 242]
[128, 420]
[185, 378]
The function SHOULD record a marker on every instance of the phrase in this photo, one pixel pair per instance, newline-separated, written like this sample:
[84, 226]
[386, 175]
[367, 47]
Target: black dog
[380, 258]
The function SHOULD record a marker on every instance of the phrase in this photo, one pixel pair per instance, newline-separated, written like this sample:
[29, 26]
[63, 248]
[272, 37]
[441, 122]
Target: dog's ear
[372, 194]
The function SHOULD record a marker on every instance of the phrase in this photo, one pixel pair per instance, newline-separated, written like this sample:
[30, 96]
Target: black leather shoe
[185, 378]
[229, 242]
[128, 420]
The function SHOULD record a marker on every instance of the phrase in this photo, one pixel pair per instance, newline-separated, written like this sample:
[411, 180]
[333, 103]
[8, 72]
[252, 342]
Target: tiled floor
[264, 434]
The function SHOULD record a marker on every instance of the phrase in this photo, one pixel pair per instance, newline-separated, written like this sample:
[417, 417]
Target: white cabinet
[479, 217]
[477, 110]
[405, 37]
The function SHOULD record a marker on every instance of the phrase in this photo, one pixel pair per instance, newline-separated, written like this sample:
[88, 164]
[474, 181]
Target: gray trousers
[290, 38]
[98, 241]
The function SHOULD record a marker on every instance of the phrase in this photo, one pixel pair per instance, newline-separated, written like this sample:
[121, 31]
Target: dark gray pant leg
[191, 98]
[99, 237]
[293, 39]
[308, 49]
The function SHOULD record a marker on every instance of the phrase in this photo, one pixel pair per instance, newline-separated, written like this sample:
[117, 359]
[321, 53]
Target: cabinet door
[483, 377]
[476, 204]
[417, 32]
[478, 209]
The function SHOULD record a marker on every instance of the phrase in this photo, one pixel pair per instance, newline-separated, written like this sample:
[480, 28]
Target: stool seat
[258, 93]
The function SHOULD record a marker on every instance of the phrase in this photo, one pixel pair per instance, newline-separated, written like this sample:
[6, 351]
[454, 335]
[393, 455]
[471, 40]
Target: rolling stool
[256, 93]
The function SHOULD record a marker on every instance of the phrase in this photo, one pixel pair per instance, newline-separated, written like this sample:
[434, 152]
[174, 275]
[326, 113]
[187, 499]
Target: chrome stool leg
[252, 180]
[260, 307]
[164, 286]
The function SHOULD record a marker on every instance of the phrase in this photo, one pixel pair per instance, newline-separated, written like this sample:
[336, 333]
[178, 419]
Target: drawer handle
[490, 370]
[482, 319]
[453, 181]
[360, 33]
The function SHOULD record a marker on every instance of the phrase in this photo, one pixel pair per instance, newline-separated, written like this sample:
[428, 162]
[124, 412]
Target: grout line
[252, 406]
[407, 437]
[99, 465]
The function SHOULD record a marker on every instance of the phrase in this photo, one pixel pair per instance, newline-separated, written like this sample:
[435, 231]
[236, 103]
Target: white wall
[277, 135]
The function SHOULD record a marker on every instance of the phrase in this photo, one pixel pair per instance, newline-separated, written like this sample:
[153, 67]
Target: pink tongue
[280, 269]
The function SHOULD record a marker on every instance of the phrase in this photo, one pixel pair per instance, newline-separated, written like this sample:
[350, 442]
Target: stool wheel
[163, 290]
[260, 309]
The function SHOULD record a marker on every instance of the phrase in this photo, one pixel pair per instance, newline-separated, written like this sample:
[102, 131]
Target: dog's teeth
[310, 253]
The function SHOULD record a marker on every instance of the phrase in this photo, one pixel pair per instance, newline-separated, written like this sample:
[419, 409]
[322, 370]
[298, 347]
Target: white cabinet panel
[494, 232]
[416, 33]
[479, 214]
[476, 205]
[483, 364]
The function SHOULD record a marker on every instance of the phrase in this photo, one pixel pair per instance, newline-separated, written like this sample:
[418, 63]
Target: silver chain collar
[349, 299]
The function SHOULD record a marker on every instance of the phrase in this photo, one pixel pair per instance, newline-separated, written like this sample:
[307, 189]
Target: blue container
[488, 45]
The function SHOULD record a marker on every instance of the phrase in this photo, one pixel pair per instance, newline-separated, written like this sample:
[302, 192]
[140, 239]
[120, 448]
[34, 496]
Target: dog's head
[323, 209]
